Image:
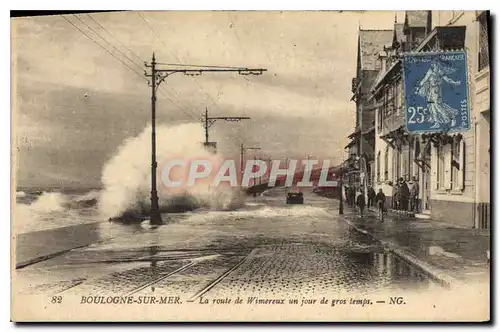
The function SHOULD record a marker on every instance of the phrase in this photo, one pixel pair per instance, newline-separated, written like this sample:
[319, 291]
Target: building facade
[452, 169]
[362, 144]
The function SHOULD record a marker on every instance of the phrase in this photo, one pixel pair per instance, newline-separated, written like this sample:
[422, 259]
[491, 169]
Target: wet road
[265, 248]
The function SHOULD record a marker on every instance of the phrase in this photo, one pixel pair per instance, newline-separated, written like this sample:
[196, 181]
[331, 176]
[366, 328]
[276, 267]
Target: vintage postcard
[278, 166]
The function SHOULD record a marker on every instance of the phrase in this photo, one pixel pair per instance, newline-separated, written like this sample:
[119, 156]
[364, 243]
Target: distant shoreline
[57, 189]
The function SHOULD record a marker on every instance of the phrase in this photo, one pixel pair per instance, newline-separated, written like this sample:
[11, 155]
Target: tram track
[154, 282]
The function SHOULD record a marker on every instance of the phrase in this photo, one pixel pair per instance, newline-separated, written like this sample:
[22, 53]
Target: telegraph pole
[242, 155]
[254, 177]
[158, 75]
[206, 126]
[155, 209]
[269, 164]
[209, 121]
[242, 152]
[341, 185]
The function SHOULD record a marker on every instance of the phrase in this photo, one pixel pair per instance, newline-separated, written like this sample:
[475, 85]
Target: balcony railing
[392, 122]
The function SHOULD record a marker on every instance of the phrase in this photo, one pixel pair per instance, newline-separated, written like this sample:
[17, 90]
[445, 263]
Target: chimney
[382, 57]
[429, 22]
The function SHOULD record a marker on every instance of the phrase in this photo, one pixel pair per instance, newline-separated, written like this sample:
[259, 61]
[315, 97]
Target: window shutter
[461, 171]
[434, 167]
[447, 166]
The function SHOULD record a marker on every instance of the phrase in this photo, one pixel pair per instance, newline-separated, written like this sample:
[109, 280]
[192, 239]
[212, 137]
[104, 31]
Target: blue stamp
[436, 92]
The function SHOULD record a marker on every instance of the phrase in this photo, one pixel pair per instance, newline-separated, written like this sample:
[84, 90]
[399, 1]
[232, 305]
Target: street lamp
[341, 187]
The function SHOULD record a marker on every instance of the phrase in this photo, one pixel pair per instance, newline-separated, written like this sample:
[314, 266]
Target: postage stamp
[187, 166]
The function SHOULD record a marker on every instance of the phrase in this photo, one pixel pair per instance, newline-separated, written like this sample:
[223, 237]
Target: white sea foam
[126, 176]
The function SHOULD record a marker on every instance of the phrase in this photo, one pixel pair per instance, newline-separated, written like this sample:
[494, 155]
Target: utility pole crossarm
[241, 71]
[229, 118]
[243, 149]
[208, 121]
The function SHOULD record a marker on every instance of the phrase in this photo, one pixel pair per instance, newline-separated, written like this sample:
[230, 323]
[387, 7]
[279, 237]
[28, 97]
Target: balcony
[354, 85]
[392, 122]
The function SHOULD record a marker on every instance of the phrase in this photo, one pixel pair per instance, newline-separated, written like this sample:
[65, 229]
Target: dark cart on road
[294, 198]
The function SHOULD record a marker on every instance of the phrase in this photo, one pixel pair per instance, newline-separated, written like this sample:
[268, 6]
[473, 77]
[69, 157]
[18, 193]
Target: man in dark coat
[396, 196]
[404, 194]
[414, 192]
[352, 196]
[380, 202]
[380, 199]
[371, 197]
[360, 202]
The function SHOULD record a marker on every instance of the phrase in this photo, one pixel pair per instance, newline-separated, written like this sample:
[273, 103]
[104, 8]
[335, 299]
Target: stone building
[395, 149]
[362, 144]
[452, 169]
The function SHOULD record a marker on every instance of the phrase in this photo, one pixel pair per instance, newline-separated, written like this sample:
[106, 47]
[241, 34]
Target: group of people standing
[374, 200]
[357, 198]
[405, 197]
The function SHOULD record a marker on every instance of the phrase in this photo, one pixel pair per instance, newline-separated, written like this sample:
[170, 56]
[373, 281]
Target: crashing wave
[126, 176]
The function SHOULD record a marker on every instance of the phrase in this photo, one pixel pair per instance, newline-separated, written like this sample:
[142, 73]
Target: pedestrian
[395, 201]
[360, 202]
[380, 201]
[414, 192]
[404, 194]
[371, 197]
[352, 196]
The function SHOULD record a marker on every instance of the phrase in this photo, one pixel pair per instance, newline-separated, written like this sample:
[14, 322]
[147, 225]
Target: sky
[74, 104]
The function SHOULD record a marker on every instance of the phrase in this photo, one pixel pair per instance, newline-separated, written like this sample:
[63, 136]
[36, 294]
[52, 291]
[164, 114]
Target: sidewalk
[33, 247]
[448, 254]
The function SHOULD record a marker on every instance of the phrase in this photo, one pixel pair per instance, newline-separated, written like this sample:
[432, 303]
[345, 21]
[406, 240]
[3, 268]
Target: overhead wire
[176, 58]
[105, 49]
[118, 59]
[165, 93]
[98, 35]
[109, 33]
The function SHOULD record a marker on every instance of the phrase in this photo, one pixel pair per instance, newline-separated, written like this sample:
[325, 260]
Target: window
[410, 162]
[455, 161]
[484, 54]
[378, 167]
[390, 100]
[440, 167]
[386, 163]
[371, 172]
[405, 161]
[444, 169]
[458, 165]
[396, 97]
[416, 155]
[386, 102]
[396, 170]
[380, 118]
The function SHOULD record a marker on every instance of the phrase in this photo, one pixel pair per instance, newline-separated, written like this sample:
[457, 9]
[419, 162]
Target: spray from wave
[49, 202]
[46, 210]
[127, 176]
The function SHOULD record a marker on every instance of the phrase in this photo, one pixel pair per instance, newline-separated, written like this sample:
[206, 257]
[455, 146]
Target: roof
[356, 132]
[416, 18]
[397, 37]
[382, 75]
[351, 143]
[371, 42]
